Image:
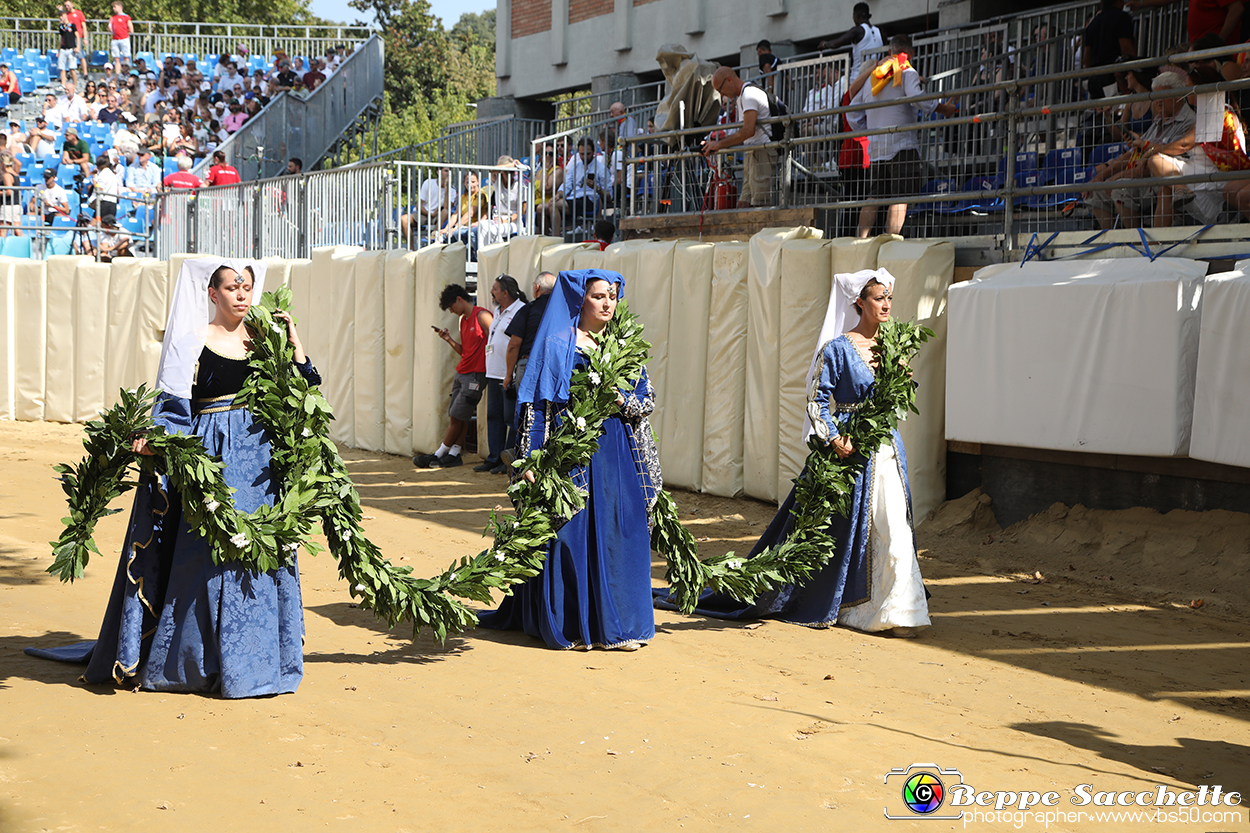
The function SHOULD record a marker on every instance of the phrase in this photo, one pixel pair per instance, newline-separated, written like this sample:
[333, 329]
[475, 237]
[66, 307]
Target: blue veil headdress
[550, 366]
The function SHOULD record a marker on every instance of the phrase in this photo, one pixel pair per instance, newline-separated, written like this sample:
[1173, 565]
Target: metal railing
[26, 231]
[307, 127]
[477, 205]
[202, 39]
[979, 175]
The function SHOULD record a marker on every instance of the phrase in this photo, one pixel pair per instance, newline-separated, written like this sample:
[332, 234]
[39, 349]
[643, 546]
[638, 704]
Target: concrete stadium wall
[732, 325]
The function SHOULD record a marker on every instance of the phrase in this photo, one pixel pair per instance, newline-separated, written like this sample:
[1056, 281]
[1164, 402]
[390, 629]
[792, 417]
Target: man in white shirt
[41, 141]
[507, 204]
[143, 176]
[826, 92]
[585, 181]
[73, 107]
[437, 202]
[229, 78]
[51, 200]
[894, 164]
[500, 407]
[759, 164]
[151, 97]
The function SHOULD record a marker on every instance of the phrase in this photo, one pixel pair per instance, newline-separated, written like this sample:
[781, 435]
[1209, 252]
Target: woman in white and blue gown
[872, 579]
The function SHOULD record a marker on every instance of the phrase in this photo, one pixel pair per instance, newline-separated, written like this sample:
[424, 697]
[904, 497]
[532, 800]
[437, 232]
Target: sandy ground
[1102, 674]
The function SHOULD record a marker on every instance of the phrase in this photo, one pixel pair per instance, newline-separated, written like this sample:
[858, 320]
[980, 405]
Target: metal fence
[204, 40]
[34, 228]
[982, 172]
[307, 127]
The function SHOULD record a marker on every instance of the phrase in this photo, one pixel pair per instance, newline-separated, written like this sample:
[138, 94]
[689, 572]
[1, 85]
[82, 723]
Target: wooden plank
[1184, 467]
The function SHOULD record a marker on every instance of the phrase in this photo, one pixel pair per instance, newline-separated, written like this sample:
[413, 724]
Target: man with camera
[585, 178]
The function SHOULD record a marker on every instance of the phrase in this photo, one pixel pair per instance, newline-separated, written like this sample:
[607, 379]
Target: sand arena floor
[1102, 674]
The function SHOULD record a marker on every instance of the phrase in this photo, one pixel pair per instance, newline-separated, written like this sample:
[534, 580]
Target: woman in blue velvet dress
[177, 621]
[595, 587]
[872, 580]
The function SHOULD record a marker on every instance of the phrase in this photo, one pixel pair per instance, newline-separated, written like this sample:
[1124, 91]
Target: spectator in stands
[151, 97]
[51, 200]
[314, 77]
[235, 118]
[219, 173]
[500, 403]
[286, 80]
[294, 166]
[894, 164]
[1107, 38]
[604, 232]
[120, 29]
[110, 113]
[10, 196]
[170, 75]
[625, 124]
[508, 205]
[260, 86]
[113, 243]
[182, 178]
[474, 205]
[77, 18]
[340, 53]
[125, 133]
[297, 66]
[107, 188]
[767, 60]
[1170, 135]
[1220, 17]
[76, 151]
[73, 107]
[9, 88]
[185, 142]
[826, 93]
[331, 61]
[436, 202]
[42, 139]
[758, 164]
[52, 112]
[1136, 116]
[143, 176]
[67, 49]
[229, 78]
[585, 179]
[470, 379]
[862, 37]
[17, 140]
[549, 194]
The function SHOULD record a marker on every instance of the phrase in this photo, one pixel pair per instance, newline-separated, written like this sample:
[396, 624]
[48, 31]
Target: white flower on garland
[211, 505]
[306, 433]
[347, 535]
[734, 563]
[451, 578]
[499, 556]
[293, 546]
[595, 378]
[239, 540]
[360, 588]
[581, 423]
[516, 524]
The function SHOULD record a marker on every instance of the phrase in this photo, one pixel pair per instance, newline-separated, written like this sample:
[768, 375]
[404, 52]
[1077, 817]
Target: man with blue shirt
[143, 176]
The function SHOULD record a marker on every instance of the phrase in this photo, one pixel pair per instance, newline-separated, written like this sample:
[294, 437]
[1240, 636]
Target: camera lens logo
[923, 793]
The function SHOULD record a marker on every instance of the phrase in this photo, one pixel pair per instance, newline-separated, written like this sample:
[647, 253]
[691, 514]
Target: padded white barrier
[369, 351]
[492, 261]
[559, 258]
[805, 280]
[91, 303]
[760, 431]
[650, 294]
[681, 441]
[434, 363]
[589, 259]
[277, 273]
[851, 254]
[121, 368]
[725, 403]
[150, 318]
[1095, 355]
[333, 304]
[30, 322]
[1221, 397]
[525, 256]
[400, 285]
[299, 277]
[923, 273]
[8, 342]
[59, 387]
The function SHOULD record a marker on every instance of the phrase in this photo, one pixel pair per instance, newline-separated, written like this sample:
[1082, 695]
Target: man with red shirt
[80, 23]
[120, 29]
[182, 178]
[470, 381]
[1223, 17]
[220, 173]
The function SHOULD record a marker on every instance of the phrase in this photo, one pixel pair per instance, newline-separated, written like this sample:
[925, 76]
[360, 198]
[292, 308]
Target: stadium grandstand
[1041, 150]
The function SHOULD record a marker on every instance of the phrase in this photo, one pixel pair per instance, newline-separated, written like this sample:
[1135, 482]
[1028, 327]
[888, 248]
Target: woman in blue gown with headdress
[594, 590]
[176, 620]
[871, 581]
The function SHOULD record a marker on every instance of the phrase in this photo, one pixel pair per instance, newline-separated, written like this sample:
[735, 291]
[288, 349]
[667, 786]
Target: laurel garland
[315, 485]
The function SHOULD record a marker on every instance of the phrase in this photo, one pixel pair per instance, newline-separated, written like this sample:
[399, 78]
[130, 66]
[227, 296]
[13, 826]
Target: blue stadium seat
[171, 165]
[26, 84]
[60, 244]
[984, 184]
[74, 203]
[133, 226]
[52, 161]
[148, 58]
[124, 207]
[41, 77]
[935, 186]
[31, 54]
[188, 58]
[1103, 154]
[65, 175]
[27, 160]
[8, 54]
[98, 58]
[143, 212]
[15, 246]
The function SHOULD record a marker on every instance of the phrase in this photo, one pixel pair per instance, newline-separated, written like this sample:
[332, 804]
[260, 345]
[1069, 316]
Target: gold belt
[216, 404]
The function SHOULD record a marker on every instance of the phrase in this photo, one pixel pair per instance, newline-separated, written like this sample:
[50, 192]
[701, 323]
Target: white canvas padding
[277, 272]
[681, 441]
[851, 254]
[8, 343]
[1221, 397]
[332, 302]
[650, 294]
[923, 272]
[806, 277]
[590, 259]
[763, 361]
[725, 403]
[1096, 356]
[398, 329]
[59, 387]
[150, 317]
[91, 304]
[299, 279]
[30, 326]
[559, 258]
[368, 356]
[525, 256]
[492, 261]
[121, 369]
[434, 362]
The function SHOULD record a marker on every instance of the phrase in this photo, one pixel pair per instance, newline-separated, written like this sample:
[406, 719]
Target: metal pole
[301, 214]
[1013, 126]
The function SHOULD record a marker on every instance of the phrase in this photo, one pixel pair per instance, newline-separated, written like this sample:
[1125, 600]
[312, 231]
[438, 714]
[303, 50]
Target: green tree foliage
[266, 12]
